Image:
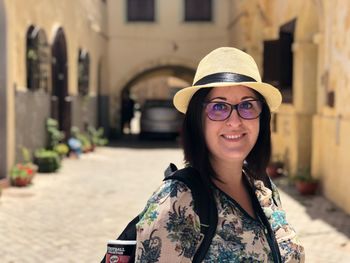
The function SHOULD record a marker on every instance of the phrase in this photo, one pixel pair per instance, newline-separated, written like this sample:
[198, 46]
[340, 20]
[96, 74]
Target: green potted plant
[304, 182]
[21, 174]
[62, 149]
[97, 136]
[86, 145]
[48, 161]
[55, 136]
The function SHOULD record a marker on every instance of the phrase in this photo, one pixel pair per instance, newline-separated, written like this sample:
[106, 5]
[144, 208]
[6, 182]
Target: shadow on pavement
[134, 141]
[318, 207]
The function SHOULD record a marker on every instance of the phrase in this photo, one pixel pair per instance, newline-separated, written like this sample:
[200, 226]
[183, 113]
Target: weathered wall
[331, 141]
[84, 111]
[32, 109]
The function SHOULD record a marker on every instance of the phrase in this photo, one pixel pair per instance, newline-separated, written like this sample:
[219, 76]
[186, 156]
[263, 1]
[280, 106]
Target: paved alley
[69, 216]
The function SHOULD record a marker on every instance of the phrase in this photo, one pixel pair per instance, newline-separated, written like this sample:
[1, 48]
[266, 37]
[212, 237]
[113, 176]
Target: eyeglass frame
[233, 107]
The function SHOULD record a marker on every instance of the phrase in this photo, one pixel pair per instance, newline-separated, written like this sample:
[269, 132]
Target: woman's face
[231, 139]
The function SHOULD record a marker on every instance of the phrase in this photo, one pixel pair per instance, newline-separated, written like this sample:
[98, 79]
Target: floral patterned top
[169, 229]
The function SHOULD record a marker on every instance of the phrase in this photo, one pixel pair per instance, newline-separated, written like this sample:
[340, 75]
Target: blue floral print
[169, 230]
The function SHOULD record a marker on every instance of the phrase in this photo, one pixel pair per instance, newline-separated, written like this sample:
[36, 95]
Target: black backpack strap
[260, 213]
[170, 170]
[129, 233]
[204, 205]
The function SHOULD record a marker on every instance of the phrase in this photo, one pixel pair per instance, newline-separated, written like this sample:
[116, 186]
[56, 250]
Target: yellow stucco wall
[331, 126]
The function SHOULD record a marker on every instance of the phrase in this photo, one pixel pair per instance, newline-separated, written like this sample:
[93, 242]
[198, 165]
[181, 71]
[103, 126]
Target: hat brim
[271, 94]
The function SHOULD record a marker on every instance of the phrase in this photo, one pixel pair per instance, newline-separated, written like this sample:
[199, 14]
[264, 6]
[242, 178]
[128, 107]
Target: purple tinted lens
[218, 111]
[249, 109]
[247, 114]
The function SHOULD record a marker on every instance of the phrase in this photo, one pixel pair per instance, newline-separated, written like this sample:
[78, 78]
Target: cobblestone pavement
[69, 216]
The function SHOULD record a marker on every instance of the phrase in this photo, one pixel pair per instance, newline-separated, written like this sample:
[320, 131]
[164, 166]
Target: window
[83, 72]
[198, 10]
[140, 10]
[278, 61]
[37, 59]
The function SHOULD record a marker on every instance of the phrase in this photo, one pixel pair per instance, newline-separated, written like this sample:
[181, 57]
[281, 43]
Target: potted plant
[55, 136]
[21, 174]
[48, 161]
[62, 149]
[305, 183]
[275, 168]
[86, 145]
[97, 136]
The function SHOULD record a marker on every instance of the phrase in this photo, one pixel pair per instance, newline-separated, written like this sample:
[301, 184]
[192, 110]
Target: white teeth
[233, 137]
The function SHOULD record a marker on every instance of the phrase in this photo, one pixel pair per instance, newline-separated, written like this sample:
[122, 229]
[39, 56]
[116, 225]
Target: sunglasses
[220, 111]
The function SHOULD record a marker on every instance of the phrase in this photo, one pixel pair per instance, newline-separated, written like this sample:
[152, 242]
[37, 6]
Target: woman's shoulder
[170, 192]
[170, 188]
[265, 193]
[168, 224]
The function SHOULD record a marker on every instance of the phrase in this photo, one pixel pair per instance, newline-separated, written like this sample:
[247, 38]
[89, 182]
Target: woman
[226, 137]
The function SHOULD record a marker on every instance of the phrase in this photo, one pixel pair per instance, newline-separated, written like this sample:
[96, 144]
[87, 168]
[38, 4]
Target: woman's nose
[234, 119]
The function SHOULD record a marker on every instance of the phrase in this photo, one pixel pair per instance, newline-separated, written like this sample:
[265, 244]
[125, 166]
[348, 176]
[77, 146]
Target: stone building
[160, 39]
[300, 46]
[53, 64]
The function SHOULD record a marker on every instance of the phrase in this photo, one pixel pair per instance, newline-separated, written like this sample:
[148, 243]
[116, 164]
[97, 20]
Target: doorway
[60, 102]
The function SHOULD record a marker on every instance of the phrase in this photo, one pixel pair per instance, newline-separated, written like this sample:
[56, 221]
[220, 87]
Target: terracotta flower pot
[275, 169]
[20, 181]
[306, 188]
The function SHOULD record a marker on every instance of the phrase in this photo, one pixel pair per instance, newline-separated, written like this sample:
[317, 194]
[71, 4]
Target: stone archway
[3, 93]
[181, 72]
[61, 102]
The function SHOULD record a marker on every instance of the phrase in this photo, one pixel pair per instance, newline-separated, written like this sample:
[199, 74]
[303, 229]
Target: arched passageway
[155, 83]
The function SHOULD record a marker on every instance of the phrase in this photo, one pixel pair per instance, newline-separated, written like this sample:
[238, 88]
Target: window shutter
[271, 63]
[140, 10]
[198, 10]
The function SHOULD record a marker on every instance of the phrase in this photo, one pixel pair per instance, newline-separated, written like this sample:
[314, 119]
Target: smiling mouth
[233, 137]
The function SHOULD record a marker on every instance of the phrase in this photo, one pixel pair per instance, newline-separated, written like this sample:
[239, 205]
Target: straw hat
[227, 66]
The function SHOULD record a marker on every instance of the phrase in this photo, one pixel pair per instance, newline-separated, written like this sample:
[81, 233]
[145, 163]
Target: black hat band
[224, 77]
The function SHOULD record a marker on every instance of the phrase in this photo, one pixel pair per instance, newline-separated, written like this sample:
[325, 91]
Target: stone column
[304, 98]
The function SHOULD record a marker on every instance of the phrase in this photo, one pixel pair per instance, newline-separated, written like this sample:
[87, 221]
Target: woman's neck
[229, 173]
[231, 182]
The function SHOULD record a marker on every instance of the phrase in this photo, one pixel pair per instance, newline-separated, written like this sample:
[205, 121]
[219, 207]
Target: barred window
[37, 59]
[140, 10]
[83, 72]
[198, 10]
